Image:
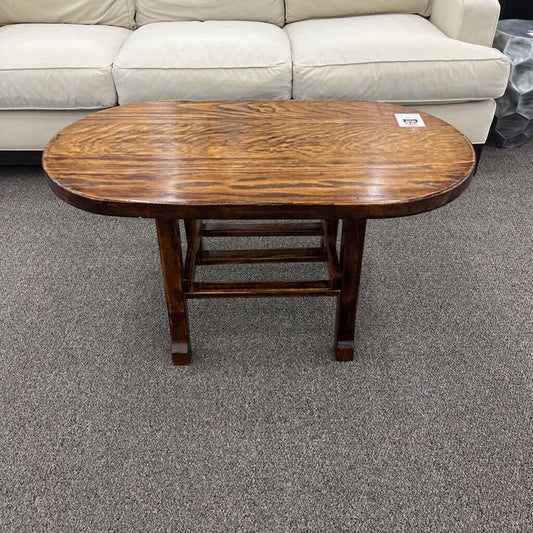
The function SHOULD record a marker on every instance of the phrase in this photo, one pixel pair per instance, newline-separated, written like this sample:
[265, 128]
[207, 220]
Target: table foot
[344, 351]
[353, 238]
[181, 354]
[168, 234]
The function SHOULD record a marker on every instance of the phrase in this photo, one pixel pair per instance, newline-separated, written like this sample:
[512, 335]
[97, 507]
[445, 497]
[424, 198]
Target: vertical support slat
[261, 229]
[190, 224]
[193, 241]
[353, 238]
[333, 227]
[188, 228]
[168, 234]
[330, 242]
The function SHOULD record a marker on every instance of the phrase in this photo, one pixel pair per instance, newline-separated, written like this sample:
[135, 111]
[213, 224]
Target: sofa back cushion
[313, 9]
[201, 10]
[108, 12]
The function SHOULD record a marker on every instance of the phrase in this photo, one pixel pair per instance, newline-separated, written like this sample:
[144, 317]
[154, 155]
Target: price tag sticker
[409, 120]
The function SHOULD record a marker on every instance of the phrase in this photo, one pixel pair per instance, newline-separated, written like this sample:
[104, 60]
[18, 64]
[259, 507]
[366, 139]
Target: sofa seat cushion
[396, 58]
[58, 66]
[203, 61]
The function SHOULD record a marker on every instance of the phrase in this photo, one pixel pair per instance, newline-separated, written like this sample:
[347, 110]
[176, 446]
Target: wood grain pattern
[193, 245]
[257, 159]
[353, 239]
[330, 243]
[260, 289]
[326, 160]
[262, 256]
[261, 229]
[168, 234]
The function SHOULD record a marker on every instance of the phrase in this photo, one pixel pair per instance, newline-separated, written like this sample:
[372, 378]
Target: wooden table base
[180, 284]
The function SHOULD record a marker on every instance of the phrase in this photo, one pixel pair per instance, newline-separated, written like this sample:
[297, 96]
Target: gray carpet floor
[429, 429]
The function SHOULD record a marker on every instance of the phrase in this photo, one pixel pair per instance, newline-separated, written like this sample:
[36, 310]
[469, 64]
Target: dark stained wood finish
[325, 160]
[326, 253]
[330, 242]
[260, 289]
[263, 255]
[272, 229]
[193, 247]
[188, 223]
[353, 238]
[334, 225]
[257, 159]
[168, 233]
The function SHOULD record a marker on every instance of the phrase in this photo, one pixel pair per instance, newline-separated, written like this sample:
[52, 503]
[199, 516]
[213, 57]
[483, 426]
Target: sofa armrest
[471, 21]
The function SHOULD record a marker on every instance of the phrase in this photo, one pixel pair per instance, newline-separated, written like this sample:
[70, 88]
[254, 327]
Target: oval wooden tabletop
[270, 159]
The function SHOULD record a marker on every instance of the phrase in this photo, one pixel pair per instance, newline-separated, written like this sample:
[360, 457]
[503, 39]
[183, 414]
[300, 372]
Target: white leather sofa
[62, 59]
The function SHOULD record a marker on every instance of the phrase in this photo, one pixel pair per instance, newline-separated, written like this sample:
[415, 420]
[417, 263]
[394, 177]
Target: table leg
[189, 228]
[353, 238]
[168, 234]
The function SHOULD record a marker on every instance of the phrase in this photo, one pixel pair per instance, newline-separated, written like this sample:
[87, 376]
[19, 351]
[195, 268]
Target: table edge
[267, 211]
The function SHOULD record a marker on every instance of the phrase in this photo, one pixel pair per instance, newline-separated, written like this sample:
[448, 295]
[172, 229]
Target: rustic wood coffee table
[197, 161]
